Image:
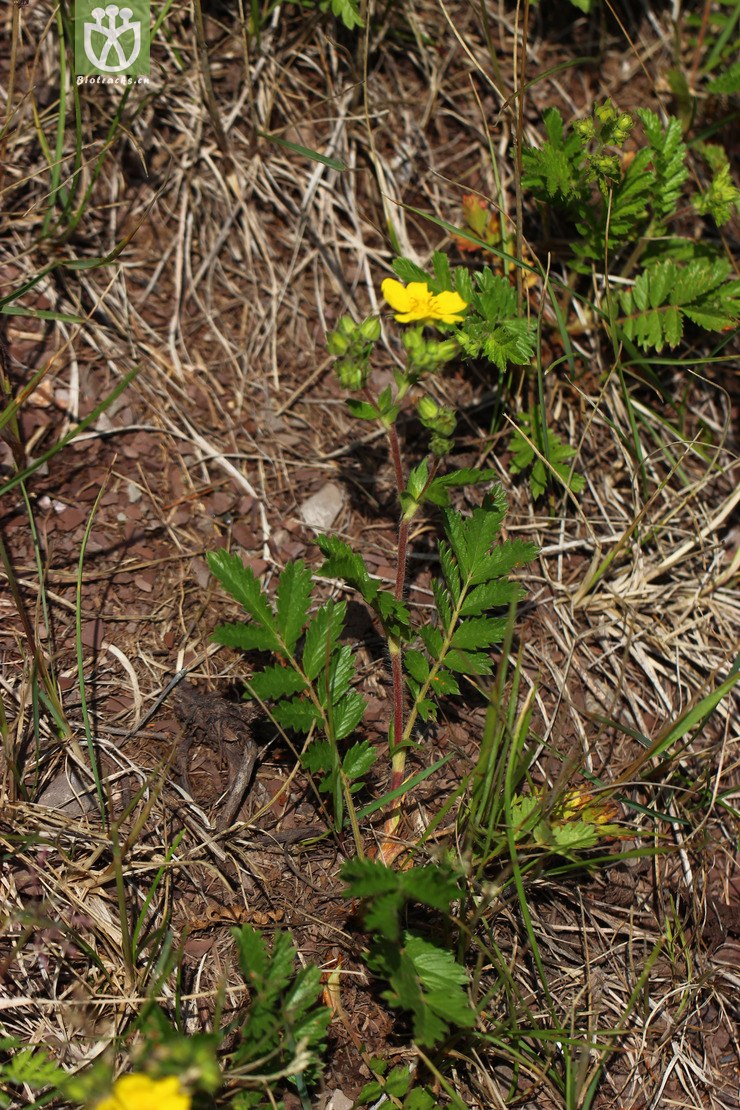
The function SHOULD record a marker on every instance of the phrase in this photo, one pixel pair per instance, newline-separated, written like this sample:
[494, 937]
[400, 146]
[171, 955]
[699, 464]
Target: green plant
[623, 208]
[310, 686]
[423, 976]
[279, 1038]
[536, 449]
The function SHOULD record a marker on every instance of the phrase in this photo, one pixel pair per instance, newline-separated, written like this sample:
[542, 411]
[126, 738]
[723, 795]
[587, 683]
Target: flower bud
[585, 129]
[352, 374]
[622, 128]
[427, 409]
[446, 421]
[446, 349]
[369, 329]
[336, 343]
[605, 113]
[440, 445]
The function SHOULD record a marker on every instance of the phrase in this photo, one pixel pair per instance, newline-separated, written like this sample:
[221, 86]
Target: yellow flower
[415, 302]
[140, 1092]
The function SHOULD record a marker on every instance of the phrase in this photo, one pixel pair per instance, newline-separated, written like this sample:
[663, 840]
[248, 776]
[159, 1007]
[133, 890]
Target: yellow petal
[140, 1092]
[448, 304]
[396, 295]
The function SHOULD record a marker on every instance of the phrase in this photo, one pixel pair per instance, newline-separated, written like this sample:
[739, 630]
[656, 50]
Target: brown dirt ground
[238, 262]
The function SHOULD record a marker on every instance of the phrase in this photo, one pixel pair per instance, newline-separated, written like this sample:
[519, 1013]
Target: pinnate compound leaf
[666, 292]
[669, 162]
[425, 980]
[284, 1003]
[293, 595]
[531, 433]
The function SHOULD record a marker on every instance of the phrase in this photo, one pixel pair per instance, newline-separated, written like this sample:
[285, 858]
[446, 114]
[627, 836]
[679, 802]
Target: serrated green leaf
[293, 596]
[298, 714]
[346, 10]
[444, 684]
[358, 760]
[241, 583]
[341, 673]
[479, 632]
[496, 594]
[319, 757]
[416, 665]
[247, 637]
[393, 614]
[419, 1099]
[450, 571]
[408, 271]
[275, 682]
[322, 635]
[362, 410]
[443, 601]
[435, 966]
[417, 480]
[347, 714]
[426, 709]
[432, 638]
[468, 662]
[342, 562]
[442, 272]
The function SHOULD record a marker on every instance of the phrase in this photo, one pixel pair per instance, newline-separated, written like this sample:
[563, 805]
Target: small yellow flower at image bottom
[141, 1092]
[415, 303]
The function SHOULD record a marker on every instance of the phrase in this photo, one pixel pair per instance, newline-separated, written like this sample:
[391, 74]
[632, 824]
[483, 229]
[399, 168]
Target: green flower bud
[427, 409]
[446, 349]
[605, 113]
[446, 421]
[623, 127]
[352, 374]
[336, 343]
[440, 445]
[414, 341]
[585, 130]
[369, 329]
[347, 326]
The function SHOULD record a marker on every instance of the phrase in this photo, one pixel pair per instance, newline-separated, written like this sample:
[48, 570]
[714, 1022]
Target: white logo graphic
[106, 25]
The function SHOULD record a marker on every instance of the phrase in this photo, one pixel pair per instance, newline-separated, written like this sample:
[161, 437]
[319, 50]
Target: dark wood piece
[206, 718]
